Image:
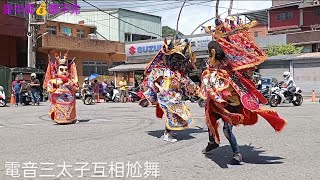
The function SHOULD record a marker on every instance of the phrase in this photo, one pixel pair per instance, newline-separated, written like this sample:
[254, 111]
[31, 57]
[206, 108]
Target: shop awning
[129, 67]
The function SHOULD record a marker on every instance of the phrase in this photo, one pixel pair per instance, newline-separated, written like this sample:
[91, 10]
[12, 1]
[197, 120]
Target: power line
[130, 6]
[158, 10]
[122, 19]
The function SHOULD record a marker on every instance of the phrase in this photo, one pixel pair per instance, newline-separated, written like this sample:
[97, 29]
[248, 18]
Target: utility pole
[30, 42]
[32, 39]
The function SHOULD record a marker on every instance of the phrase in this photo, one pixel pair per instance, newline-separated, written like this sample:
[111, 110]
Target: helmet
[286, 74]
[33, 75]
[1, 88]
[86, 79]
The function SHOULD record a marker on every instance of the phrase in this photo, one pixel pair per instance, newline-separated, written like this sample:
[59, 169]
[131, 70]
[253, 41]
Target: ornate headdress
[173, 49]
[239, 47]
[53, 65]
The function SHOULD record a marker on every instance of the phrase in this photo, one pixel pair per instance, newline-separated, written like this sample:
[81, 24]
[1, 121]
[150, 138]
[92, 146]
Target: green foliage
[167, 31]
[283, 50]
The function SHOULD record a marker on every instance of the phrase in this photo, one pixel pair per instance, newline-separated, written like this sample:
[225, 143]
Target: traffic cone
[313, 96]
[12, 100]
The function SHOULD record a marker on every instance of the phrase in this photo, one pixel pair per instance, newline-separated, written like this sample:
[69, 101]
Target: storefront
[140, 53]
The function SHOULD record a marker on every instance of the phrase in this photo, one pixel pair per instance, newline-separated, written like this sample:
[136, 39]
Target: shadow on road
[181, 135]
[223, 155]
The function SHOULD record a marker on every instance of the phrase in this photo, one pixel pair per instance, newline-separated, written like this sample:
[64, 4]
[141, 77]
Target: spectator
[136, 83]
[96, 89]
[123, 90]
[16, 90]
[105, 89]
[35, 89]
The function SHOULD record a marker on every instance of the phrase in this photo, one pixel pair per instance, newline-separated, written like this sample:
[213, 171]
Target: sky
[194, 13]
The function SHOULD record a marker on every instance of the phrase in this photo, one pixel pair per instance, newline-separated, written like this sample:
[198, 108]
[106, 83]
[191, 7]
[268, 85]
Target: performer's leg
[237, 158]
[211, 144]
[167, 136]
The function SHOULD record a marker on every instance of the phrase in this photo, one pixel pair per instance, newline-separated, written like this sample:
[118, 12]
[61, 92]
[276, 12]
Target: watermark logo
[83, 169]
[42, 10]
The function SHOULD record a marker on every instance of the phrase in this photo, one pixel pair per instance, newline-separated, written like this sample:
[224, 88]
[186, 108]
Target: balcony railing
[80, 44]
[306, 37]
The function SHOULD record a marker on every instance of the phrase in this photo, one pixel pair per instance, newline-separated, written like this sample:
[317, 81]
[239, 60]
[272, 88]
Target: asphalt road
[115, 134]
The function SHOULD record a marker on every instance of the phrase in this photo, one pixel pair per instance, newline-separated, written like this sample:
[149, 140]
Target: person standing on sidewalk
[16, 90]
[123, 90]
[96, 86]
[35, 89]
[105, 89]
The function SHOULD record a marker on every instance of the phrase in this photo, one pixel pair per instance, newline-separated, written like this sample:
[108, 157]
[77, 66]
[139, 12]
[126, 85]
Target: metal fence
[5, 80]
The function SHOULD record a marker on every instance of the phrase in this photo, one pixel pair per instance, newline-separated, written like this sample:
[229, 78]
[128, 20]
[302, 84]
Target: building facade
[109, 26]
[299, 20]
[13, 38]
[92, 55]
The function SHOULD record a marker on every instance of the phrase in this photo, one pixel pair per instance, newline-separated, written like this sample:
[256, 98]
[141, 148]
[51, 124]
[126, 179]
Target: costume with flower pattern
[61, 82]
[166, 73]
[227, 80]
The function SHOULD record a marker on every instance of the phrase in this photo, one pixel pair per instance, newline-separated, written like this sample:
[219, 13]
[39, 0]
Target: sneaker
[210, 147]
[33, 104]
[38, 103]
[237, 159]
[169, 138]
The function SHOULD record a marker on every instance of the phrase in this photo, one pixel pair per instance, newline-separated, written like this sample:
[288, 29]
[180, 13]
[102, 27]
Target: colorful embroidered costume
[166, 75]
[226, 83]
[61, 83]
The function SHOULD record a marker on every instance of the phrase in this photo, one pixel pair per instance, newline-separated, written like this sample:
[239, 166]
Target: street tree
[283, 50]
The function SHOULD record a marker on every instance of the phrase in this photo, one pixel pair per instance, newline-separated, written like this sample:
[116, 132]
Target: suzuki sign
[151, 48]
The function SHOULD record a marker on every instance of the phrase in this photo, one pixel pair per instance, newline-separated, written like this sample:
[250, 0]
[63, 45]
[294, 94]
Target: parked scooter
[25, 97]
[201, 102]
[133, 94]
[2, 97]
[148, 98]
[88, 96]
[114, 96]
[280, 95]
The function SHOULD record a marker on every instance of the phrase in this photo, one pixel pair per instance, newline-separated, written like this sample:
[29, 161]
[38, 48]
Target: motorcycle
[133, 95]
[148, 98]
[2, 97]
[265, 92]
[115, 96]
[25, 97]
[88, 96]
[201, 102]
[281, 95]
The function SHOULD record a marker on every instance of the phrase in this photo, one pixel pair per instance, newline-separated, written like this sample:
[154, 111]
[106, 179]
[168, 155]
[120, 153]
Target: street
[110, 133]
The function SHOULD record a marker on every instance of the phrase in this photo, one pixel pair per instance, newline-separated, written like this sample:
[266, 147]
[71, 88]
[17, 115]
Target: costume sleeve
[191, 87]
[51, 87]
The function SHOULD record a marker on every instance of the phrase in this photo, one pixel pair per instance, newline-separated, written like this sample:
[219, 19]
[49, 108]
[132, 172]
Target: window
[67, 31]
[317, 12]
[17, 8]
[256, 34]
[80, 33]
[284, 16]
[52, 30]
[95, 67]
[127, 37]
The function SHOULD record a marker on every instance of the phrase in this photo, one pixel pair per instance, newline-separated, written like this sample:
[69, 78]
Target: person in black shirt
[35, 89]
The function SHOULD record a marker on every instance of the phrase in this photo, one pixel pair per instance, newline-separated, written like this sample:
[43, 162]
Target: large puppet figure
[61, 83]
[166, 73]
[227, 86]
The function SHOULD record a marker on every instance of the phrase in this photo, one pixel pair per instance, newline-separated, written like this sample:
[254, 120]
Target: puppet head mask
[63, 69]
[175, 55]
